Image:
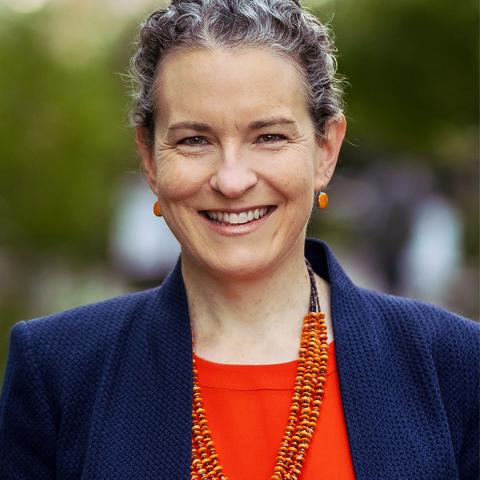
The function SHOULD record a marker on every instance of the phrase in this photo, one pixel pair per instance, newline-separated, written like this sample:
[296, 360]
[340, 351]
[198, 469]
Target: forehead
[226, 84]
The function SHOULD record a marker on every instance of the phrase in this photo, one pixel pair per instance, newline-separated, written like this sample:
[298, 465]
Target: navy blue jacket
[104, 391]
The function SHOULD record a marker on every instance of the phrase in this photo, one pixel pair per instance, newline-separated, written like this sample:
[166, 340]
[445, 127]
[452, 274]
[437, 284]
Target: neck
[249, 320]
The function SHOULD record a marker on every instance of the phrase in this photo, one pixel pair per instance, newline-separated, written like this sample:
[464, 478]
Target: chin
[242, 262]
[235, 262]
[240, 266]
[242, 270]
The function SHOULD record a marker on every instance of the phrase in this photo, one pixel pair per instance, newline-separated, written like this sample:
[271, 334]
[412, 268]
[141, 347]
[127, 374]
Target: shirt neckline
[277, 376]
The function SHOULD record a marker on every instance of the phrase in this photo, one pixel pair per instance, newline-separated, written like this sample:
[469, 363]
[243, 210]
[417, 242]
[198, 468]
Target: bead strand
[295, 455]
[204, 457]
[314, 392]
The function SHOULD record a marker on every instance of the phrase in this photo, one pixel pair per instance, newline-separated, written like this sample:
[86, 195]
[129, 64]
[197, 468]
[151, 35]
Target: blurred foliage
[412, 96]
[413, 67]
[63, 144]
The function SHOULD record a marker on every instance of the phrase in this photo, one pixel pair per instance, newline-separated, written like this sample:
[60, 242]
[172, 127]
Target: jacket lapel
[171, 340]
[358, 355]
[142, 421]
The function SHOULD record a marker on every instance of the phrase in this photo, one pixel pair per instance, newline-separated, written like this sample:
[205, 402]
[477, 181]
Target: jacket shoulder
[430, 322]
[426, 331]
[93, 323]
[429, 335]
[67, 348]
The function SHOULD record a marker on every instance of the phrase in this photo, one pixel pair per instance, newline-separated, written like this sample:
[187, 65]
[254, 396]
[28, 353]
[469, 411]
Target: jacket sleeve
[469, 455]
[469, 459]
[27, 433]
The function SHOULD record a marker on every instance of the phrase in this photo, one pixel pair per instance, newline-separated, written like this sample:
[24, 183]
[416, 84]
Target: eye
[192, 141]
[271, 138]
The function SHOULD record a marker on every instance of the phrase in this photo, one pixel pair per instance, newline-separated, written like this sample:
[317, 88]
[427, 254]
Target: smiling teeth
[238, 218]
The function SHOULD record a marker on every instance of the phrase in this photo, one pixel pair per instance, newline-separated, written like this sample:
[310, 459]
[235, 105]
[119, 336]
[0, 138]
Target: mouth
[240, 217]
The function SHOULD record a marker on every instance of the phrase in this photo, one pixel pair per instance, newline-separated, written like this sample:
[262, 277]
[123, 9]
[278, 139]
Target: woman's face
[236, 162]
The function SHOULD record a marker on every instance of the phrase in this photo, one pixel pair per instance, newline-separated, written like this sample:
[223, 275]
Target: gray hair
[282, 25]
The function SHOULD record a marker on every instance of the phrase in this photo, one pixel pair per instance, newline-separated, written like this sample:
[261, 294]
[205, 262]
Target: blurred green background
[404, 203]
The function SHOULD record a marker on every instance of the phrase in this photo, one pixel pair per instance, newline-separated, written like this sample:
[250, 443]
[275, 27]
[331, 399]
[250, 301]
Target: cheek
[178, 179]
[294, 177]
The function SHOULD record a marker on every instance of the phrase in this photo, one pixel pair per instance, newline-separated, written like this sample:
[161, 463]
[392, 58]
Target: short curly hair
[281, 25]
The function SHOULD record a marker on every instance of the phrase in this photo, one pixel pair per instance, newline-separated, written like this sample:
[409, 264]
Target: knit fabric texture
[104, 391]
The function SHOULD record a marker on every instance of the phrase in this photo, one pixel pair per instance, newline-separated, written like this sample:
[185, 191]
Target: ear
[328, 149]
[148, 158]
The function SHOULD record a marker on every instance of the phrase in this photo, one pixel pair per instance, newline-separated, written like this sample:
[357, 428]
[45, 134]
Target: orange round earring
[322, 200]
[156, 209]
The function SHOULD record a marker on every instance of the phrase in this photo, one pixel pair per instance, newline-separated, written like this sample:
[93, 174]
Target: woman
[239, 126]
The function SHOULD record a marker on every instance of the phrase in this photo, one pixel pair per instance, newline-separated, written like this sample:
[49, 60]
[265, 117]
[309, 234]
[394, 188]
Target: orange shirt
[247, 408]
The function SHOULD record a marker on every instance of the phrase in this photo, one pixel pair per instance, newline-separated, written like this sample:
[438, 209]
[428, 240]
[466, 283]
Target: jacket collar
[356, 336]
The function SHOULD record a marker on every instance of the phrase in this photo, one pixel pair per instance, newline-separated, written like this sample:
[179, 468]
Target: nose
[233, 176]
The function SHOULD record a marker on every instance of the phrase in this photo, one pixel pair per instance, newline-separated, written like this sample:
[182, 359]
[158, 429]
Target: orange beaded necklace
[304, 410]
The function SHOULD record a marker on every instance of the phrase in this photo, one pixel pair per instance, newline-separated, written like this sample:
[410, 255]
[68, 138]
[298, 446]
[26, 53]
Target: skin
[247, 293]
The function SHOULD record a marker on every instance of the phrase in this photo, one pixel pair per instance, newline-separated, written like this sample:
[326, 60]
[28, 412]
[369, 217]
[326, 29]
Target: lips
[237, 217]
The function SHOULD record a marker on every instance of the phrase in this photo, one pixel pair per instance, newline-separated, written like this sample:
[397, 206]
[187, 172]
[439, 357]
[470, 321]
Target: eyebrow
[270, 122]
[255, 125]
[201, 127]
